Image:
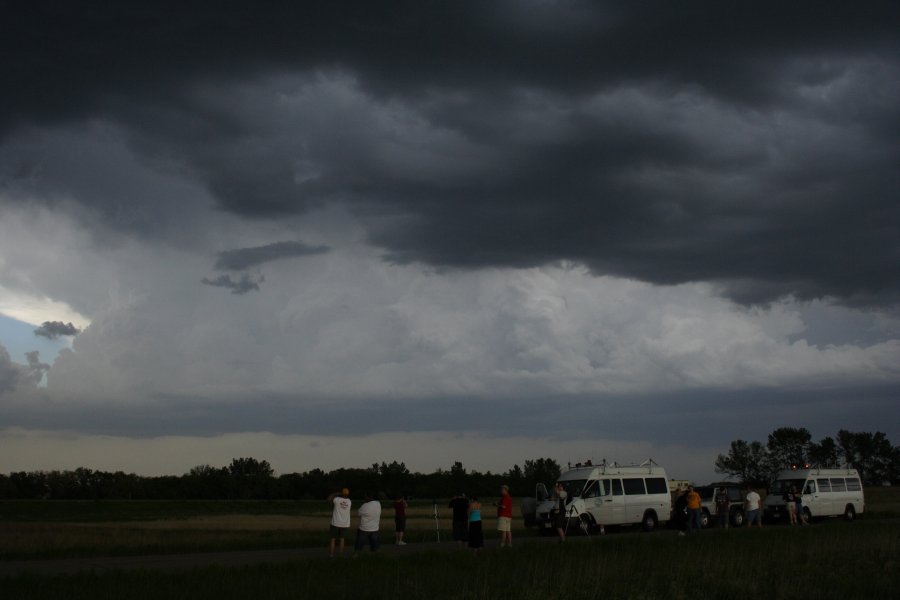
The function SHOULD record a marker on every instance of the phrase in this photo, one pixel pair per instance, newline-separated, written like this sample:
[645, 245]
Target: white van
[610, 494]
[826, 493]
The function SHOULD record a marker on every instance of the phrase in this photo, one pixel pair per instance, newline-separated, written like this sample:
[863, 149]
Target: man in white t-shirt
[369, 521]
[340, 518]
[754, 512]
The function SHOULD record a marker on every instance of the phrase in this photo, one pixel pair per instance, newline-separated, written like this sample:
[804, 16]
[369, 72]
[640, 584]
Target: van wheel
[807, 515]
[650, 521]
[849, 513]
[586, 524]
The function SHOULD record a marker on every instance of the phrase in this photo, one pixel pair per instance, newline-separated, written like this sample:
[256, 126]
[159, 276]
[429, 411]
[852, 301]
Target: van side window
[634, 487]
[617, 487]
[837, 484]
[810, 487]
[605, 489]
[824, 486]
[853, 484]
[657, 485]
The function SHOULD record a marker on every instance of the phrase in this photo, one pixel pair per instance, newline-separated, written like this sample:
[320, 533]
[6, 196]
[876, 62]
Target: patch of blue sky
[18, 338]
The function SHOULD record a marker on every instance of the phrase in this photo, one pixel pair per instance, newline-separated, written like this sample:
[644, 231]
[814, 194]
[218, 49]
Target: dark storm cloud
[239, 287]
[55, 329]
[753, 145]
[244, 258]
[698, 418]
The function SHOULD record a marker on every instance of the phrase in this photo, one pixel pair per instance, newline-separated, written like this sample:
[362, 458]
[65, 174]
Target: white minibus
[825, 493]
[611, 494]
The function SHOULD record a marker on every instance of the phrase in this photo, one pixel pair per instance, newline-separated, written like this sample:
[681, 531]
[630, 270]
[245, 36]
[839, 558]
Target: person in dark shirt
[679, 512]
[460, 506]
[723, 507]
[399, 520]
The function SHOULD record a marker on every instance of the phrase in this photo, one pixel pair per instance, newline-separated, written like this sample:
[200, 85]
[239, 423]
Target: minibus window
[603, 484]
[824, 486]
[592, 490]
[810, 488]
[853, 484]
[634, 487]
[617, 487]
[837, 484]
[657, 485]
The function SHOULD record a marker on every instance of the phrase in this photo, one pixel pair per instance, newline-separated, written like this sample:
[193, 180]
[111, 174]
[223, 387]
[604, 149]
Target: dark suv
[708, 503]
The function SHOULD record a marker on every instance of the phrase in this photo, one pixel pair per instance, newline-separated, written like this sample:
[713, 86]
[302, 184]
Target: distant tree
[541, 470]
[250, 467]
[748, 462]
[870, 454]
[787, 447]
[825, 454]
[459, 480]
[395, 478]
[207, 483]
[250, 478]
[515, 478]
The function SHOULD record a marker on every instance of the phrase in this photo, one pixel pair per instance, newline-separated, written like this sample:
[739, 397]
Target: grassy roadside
[835, 560]
[69, 529]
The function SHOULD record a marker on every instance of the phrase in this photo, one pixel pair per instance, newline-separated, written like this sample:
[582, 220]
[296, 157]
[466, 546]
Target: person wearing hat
[340, 519]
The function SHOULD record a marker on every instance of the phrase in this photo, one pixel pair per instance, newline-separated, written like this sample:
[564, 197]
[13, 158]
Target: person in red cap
[340, 519]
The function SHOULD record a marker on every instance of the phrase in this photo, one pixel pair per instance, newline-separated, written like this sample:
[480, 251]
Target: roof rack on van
[650, 463]
[817, 468]
[603, 465]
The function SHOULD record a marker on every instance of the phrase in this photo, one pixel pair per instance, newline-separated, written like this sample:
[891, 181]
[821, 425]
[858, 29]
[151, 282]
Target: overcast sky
[329, 234]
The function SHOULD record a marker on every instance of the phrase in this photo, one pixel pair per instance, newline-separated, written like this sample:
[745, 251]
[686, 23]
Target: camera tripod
[584, 520]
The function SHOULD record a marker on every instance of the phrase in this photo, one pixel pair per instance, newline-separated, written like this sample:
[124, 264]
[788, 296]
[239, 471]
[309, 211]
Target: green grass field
[832, 559]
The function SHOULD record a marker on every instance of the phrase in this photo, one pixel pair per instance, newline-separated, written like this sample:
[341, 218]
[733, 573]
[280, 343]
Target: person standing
[560, 496]
[369, 523]
[340, 519]
[723, 507]
[475, 537]
[790, 502]
[754, 514]
[460, 506]
[694, 510]
[679, 512]
[504, 517]
[798, 508]
[400, 506]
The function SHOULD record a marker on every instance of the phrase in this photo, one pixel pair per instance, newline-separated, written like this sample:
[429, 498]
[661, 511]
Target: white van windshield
[782, 486]
[574, 487]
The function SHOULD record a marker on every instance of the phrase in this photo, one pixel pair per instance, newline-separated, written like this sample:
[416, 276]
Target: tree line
[252, 479]
[869, 453]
